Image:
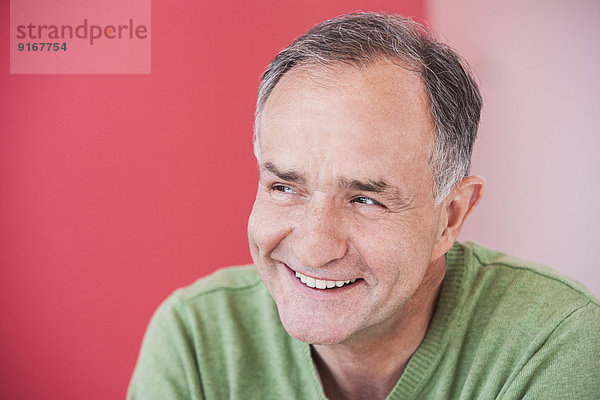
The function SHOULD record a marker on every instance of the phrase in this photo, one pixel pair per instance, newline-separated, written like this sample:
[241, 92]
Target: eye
[283, 194]
[283, 188]
[366, 201]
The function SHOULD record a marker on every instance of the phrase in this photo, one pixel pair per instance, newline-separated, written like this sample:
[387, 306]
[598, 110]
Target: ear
[455, 209]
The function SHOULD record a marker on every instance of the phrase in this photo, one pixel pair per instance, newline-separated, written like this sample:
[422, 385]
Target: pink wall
[117, 189]
[538, 61]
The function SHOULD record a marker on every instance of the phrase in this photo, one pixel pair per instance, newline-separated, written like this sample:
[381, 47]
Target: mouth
[322, 283]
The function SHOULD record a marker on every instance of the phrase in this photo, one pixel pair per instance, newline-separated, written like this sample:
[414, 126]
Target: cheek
[265, 229]
[398, 253]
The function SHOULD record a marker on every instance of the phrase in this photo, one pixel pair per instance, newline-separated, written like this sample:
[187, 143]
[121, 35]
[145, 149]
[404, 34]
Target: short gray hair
[361, 38]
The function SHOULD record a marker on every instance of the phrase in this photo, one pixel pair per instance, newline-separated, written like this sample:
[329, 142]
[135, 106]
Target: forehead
[341, 116]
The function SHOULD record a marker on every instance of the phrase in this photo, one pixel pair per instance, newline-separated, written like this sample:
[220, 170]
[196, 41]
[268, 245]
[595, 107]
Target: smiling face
[346, 194]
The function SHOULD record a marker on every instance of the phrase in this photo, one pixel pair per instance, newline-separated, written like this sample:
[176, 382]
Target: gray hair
[361, 38]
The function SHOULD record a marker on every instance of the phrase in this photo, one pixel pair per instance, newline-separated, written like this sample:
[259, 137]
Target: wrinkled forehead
[382, 97]
[375, 118]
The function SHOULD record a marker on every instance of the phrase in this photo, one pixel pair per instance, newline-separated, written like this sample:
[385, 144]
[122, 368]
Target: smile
[321, 283]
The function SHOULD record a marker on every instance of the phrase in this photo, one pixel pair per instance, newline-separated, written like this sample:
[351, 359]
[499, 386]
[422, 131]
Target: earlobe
[461, 202]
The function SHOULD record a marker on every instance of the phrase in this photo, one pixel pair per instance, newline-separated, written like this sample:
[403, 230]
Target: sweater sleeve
[567, 366]
[167, 367]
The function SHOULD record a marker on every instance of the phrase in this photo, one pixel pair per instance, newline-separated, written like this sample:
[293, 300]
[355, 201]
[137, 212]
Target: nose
[319, 237]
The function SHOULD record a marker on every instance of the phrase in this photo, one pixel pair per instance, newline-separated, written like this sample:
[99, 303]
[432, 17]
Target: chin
[311, 336]
[312, 330]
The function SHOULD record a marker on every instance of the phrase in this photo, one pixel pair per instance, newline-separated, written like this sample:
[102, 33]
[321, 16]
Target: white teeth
[321, 283]
[302, 277]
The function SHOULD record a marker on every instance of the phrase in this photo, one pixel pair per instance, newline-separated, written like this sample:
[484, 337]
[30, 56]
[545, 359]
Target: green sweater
[503, 329]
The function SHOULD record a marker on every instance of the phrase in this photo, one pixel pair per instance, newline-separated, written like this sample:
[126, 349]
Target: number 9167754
[35, 46]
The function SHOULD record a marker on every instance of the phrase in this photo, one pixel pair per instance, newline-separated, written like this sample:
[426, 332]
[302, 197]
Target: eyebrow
[290, 176]
[379, 186]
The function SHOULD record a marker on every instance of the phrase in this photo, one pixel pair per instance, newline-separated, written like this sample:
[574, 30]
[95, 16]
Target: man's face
[345, 194]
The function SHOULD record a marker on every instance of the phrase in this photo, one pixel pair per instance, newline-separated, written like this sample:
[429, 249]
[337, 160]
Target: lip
[320, 293]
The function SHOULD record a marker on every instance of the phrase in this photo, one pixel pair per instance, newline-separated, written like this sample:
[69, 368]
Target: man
[363, 134]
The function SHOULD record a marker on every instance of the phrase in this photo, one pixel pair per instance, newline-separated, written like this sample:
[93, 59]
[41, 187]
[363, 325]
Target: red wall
[117, 189]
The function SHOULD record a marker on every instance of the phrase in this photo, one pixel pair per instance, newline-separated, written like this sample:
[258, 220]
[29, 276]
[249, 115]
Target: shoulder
[517, 327]
[513, 307]
[518, 296]
[496, 274]
[511, 301]
[233, 293]
[210, 339]
[230, 279]
[220, 336]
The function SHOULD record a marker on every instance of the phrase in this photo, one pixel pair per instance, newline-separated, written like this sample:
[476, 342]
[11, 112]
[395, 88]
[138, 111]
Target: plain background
[539, 141]
[117, 189]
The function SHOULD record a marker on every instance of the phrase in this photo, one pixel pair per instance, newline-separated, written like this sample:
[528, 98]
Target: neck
[370, 368]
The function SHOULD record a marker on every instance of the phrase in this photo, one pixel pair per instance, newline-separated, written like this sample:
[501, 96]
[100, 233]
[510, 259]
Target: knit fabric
[503, 329]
